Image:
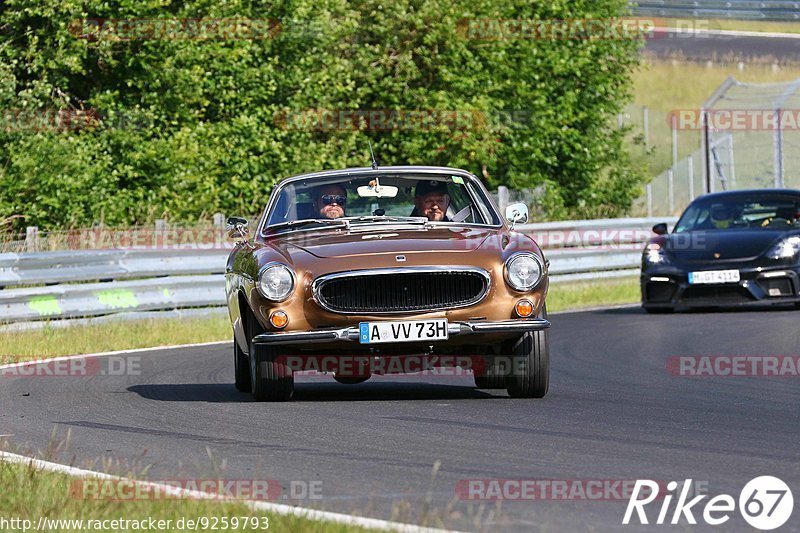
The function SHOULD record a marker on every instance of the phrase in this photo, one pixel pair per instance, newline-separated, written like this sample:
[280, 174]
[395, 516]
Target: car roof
[748, 192]
[367, 171]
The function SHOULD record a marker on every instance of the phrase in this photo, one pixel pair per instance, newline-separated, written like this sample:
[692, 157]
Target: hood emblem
[716, 255]
[400, 258]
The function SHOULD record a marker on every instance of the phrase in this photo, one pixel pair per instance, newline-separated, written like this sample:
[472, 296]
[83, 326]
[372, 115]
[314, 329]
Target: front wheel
[271, 379]
[530, 376]
[241, 369]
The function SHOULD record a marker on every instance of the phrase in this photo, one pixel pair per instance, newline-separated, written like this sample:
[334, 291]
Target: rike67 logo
[765, 503]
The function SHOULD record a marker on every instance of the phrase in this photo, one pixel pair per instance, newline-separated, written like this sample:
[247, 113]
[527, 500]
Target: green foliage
[188, 127]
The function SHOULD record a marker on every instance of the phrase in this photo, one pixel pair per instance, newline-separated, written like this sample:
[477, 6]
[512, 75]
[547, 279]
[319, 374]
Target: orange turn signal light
[524, 308]
[279, 319]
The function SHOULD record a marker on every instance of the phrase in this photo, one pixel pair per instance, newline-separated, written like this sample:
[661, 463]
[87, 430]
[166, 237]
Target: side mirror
[517, 214]
[660, 229]
[236, 228]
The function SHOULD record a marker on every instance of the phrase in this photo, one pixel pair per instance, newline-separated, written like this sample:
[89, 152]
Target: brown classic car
[379, 270]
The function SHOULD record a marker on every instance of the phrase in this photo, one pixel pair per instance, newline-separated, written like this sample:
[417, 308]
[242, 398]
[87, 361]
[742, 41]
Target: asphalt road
[707, 47]
[614, 412]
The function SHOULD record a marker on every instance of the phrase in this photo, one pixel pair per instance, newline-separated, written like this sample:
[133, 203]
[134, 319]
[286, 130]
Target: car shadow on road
[190, 392]
[314, 392]
[326, 392]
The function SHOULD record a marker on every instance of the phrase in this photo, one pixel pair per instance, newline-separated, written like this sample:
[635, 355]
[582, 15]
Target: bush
[180, 128]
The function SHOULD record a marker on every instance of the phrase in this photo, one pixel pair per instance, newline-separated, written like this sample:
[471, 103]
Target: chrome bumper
[351, 334]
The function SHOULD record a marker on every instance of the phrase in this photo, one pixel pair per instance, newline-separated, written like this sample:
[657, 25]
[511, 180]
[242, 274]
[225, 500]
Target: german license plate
[403, 331]
[714, 276]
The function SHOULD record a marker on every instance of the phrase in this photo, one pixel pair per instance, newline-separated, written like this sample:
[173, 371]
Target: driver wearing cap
[431, 200]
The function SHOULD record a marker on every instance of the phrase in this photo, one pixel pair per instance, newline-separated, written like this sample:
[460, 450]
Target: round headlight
[275, 282]
[523, 272]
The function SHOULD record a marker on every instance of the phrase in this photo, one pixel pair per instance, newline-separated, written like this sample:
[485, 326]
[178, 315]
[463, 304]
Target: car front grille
[659, 291]
[717, 293]
[391, 291]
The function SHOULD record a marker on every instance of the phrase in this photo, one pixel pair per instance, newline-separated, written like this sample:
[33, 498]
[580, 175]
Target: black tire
[350, 380]
[271, 380]
[489, 381]
[241, 369]
[530, 375]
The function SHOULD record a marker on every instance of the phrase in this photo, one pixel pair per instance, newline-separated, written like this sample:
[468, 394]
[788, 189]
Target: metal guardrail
[782, 10]
[82, 265]
[93, 283]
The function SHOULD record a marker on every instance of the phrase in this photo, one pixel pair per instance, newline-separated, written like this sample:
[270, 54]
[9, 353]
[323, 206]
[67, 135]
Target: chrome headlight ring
[523, 271]
[275, 281]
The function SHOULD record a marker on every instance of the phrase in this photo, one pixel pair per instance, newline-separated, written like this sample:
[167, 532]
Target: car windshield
[742, 212]
[320, 202]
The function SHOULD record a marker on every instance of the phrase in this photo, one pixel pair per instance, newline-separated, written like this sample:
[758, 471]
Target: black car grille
[376, 292]
[722, 294]
[657, 291]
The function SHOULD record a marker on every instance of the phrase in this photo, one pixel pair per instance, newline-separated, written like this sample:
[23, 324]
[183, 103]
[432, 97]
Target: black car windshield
[770, 212]
[377, 199]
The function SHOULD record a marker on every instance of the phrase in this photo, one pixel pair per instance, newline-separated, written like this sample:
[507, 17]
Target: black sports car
[732, 248]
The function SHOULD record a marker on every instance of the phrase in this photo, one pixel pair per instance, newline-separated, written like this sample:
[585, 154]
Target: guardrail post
[160, 233]
[219, 226]
[674, 124]
[32, 239]
[502, 199]
[671, 184]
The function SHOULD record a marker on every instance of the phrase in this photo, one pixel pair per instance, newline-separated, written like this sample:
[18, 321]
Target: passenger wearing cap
[431, 200]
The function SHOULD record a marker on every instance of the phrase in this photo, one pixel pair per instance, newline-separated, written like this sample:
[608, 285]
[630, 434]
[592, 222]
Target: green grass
[564, 296]
[664, 86]
[37, 493]
[111, 336]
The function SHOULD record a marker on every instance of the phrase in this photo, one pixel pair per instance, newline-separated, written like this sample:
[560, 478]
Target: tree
[151, 113]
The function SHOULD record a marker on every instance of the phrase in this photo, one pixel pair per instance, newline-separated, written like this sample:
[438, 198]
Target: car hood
[372, 241]
[696, 246]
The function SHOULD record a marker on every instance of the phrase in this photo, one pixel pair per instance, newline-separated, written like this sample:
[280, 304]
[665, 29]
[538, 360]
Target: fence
[45, 286]
[748, 136]
[782, 10]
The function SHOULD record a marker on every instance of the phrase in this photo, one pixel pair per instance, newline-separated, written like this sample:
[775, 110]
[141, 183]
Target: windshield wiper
[328, 222]
[388, 218]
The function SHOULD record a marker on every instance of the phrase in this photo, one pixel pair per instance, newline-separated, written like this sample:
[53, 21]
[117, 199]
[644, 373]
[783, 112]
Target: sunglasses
[329, 199]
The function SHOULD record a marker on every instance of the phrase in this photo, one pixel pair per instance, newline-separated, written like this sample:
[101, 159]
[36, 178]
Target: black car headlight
[523, 271]
[785, 249]
[275, 281]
